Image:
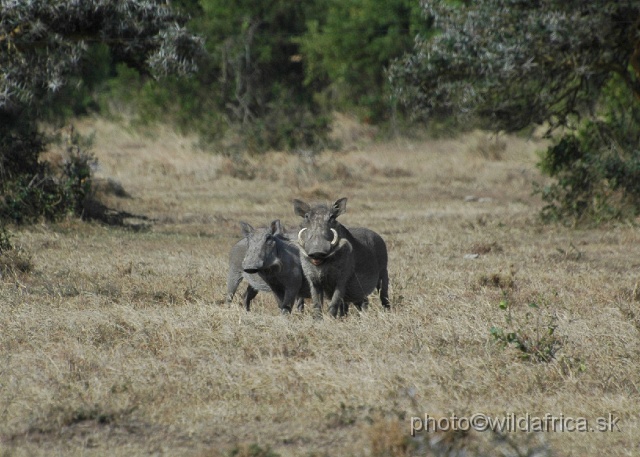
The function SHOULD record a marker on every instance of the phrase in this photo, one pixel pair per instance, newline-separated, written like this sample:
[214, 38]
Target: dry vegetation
[116, 342]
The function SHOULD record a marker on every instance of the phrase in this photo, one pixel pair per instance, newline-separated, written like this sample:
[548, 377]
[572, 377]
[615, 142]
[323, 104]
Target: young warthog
[346, 264]
[269, 262]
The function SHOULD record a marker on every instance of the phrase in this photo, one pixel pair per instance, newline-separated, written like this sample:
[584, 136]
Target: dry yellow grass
[117, 342]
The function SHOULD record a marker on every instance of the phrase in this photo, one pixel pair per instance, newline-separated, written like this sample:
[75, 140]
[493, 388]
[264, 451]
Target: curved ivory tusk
[300, 235]
[335, 237]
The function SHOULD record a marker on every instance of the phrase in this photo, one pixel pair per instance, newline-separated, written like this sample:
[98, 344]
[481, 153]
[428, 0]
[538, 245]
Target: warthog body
[269, 262]
[345, 264]
[235, 276]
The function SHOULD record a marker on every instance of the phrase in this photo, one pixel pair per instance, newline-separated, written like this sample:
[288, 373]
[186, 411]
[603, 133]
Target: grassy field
[117, 341]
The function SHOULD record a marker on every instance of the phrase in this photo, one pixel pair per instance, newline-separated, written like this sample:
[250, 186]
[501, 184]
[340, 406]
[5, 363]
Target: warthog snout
[318, 242]
[317, 259]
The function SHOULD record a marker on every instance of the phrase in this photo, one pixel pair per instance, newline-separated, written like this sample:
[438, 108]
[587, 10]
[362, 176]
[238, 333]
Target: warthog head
[262, 252]
[319, 235]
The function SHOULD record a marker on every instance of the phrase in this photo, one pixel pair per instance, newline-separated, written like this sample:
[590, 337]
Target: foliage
[76, 172]
[351, 44]
[278, 69]
[52, 191]
[76, 97]
[517, 63]
[533, 334]
[597, 169]
[250, 94]
[275, 70]
[569, 64]
[46, 50]
[44, 43]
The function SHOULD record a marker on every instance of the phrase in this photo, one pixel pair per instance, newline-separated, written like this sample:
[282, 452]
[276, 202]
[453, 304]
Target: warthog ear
[339, 207]
[246, 229]
[276, 227]
[300, 208]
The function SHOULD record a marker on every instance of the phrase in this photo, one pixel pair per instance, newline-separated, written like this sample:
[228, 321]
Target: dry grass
[116, 342]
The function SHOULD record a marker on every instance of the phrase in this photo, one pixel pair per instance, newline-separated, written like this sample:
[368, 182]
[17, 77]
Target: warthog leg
[337, 306]
[383, 287]
[362, 305]
[317, 295]
[286, 302]
[249, 295]
[300, 304]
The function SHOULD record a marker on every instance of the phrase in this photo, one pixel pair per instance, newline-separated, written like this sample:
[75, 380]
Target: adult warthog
[270, 262]
[345, 264]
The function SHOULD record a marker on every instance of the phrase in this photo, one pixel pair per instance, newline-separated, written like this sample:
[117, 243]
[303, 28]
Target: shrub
[43, 58]
[597, 168]
[570, 65]
[53, 192]
[533, 334]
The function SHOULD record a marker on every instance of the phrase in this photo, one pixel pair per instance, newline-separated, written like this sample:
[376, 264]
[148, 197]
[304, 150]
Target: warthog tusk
[335, 237]
[300, 235]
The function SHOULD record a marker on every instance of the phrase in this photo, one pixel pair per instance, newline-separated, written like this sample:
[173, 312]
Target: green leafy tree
[279, 68]
[349, 47]
[46, 48]
[565, 64]
[260, 72]
[251, 94]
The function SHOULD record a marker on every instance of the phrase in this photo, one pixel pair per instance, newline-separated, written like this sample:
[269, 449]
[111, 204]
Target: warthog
[270, 262]
[345, 264]
[235, 275]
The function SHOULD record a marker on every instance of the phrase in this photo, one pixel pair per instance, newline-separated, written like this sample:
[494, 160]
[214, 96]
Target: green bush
[50, 66]
[542, 68]
[597, 168]
[50, 193]
[533, 334]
